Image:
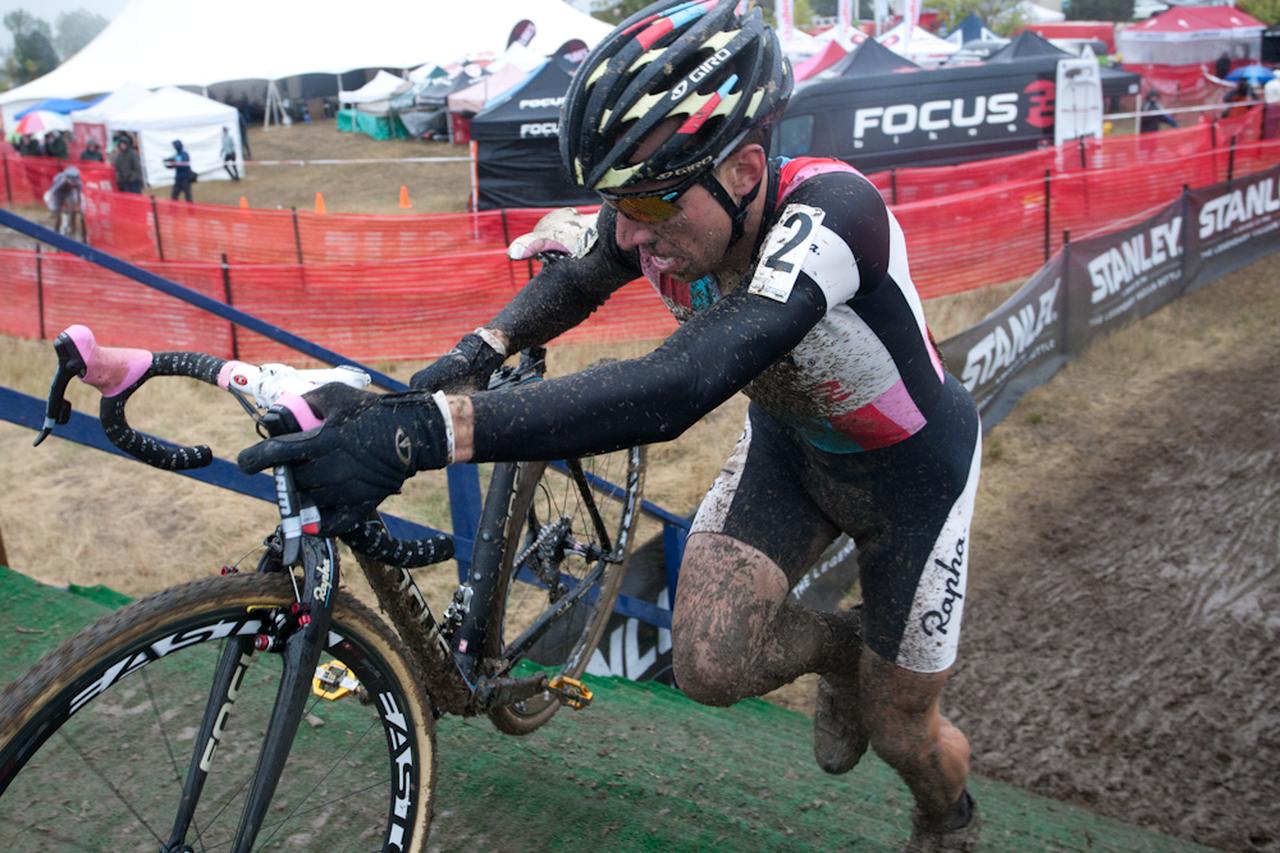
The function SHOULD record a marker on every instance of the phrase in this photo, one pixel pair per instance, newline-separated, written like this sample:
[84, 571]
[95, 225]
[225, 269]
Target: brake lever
[58, 408]
[296, 517]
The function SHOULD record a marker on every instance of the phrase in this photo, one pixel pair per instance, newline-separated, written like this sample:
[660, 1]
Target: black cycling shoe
[839, 738]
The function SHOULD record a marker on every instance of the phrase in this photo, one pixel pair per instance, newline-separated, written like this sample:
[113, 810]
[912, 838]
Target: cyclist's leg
[735, 630]
[913, 561]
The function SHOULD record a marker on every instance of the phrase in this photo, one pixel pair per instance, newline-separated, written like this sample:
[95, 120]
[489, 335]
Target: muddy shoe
[926, 838]
[838, 737]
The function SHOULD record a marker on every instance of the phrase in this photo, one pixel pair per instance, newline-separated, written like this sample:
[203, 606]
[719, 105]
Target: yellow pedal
[334, 681]
[571, 692]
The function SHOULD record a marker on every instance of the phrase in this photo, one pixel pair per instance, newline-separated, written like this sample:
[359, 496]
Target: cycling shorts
[907, 508]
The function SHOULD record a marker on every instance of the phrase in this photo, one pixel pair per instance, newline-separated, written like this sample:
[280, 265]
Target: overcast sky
[49, 9]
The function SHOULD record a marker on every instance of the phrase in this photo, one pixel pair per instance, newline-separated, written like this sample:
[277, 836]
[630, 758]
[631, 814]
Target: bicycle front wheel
[570, 531]
[95, 742]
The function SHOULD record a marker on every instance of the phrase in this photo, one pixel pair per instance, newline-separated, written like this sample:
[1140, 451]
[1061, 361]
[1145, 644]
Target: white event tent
[169, 114]
[157, 43]
[925, 48]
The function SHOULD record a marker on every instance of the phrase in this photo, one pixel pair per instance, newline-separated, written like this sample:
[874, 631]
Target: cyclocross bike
[273, 709]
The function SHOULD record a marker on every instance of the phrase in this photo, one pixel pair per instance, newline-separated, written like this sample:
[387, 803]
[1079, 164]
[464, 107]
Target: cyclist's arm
[565, 293]
[707, 360]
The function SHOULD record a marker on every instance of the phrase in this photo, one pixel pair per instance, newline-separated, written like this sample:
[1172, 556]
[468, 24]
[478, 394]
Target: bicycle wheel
[553, 545]
[95, 741]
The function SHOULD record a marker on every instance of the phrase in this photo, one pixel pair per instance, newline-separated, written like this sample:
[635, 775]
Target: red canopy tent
[1173, 50]
[822, 60]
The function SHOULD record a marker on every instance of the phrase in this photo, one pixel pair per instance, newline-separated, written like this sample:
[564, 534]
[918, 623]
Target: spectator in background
[229, 155]
[183, 176]
[55, 144]
[92, 151]
[127, 164]
[1222, 66]
[1241, 93]
[1153, 114]
[243, 116]
[1271, 93]
[28, 146]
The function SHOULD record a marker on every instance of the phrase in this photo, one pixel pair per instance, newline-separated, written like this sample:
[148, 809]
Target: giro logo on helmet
[698, 73]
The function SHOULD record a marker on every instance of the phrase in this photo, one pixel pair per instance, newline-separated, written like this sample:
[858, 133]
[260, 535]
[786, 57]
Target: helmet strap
[737, 212]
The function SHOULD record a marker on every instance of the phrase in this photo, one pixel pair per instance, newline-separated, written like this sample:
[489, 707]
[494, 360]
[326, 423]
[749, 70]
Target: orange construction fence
[407, 287]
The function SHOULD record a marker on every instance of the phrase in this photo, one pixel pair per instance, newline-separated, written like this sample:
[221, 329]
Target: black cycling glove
[466, 367]
[367, 447]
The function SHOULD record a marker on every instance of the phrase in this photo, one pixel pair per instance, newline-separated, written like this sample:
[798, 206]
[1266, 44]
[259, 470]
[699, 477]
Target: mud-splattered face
[690, 244]
[686, 247]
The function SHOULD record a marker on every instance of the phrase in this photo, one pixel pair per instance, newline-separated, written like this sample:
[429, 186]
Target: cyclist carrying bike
[63, 198]
[791, 284]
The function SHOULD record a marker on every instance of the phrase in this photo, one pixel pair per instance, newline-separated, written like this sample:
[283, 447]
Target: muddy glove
[562, 231]
[466, 367]
[367, 447]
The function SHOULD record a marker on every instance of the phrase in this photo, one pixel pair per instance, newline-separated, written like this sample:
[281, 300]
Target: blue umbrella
[1255, 74]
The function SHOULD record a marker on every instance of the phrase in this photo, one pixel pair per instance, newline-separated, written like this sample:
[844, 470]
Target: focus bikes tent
[518, 144]
[169, 114]
[154, 43]
[879, 115]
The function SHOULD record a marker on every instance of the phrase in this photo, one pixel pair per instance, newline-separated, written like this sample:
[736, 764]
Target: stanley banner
[1128, 273]
[1016, 347]
[1234, 224]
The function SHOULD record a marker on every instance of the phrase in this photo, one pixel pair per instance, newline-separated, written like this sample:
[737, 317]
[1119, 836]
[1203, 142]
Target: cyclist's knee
[728, 595]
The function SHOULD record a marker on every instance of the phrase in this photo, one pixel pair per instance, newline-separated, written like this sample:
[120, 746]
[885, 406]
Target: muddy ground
[1120, 646]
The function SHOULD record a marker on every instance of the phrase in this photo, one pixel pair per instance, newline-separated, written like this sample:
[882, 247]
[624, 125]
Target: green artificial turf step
[645, 768]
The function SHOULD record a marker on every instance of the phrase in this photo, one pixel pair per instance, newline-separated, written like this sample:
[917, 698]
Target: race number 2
[784, 252]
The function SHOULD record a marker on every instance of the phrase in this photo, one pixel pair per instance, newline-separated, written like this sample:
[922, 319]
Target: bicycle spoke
[164, 734]
[128, 805]
[320, 781]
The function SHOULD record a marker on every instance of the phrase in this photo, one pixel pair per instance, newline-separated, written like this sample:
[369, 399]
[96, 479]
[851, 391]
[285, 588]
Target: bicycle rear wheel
[562, 518]
[96, 740]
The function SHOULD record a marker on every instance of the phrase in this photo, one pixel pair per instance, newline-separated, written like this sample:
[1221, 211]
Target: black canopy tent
[906, 116]
[518, 148]
[1033, 46]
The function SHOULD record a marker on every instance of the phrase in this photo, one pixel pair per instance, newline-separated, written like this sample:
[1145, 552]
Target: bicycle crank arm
[496, 692]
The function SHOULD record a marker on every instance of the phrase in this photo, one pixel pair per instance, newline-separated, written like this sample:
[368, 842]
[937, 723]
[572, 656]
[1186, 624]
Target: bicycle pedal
[334, 681]
[570, 691]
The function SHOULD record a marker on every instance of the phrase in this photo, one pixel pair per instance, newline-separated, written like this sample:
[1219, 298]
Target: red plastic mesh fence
[411, 307]
[26, 179]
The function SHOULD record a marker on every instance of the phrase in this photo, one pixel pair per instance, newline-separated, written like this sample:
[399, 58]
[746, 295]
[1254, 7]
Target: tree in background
[1267, 11]
[1099, 10]
[1001, 16]
[33, 54]
[619, 12]
[75, 30]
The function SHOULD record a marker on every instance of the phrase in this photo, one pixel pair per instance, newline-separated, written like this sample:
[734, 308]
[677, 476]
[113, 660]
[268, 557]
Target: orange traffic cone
[320, 204]
[244, 203]
[404, 198]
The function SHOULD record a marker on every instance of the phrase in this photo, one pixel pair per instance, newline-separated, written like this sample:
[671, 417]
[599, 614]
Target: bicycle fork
[300, 655]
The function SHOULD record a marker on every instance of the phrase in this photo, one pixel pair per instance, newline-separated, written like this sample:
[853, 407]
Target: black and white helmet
[722, 71]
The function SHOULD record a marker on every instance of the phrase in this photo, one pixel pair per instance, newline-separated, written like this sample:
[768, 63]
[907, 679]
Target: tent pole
[475, 179]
